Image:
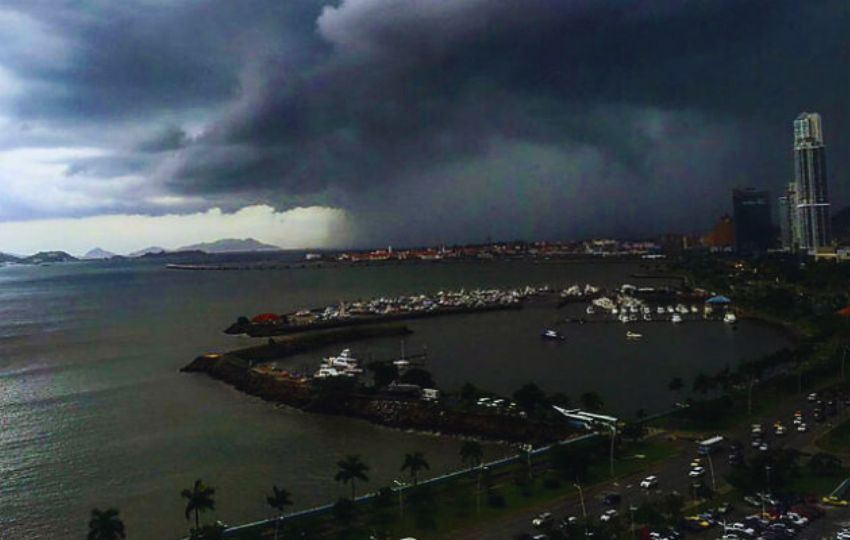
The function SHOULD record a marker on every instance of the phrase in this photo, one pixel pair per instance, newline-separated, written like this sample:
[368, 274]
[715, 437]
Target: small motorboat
[633, 335]
[552, 335]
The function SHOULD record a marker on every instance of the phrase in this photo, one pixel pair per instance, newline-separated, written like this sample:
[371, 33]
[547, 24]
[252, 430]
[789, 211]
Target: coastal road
[672, 473]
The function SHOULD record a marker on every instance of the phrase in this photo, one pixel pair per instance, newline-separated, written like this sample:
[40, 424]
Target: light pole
[711, 470]
[583, 508]
[400, 486]
[613, 436]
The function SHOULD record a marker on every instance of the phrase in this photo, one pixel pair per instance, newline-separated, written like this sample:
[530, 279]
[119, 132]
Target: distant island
[97, 254]
[231, 245]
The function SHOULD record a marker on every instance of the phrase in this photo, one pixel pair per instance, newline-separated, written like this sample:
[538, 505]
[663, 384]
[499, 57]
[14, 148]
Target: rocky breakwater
[344, 398]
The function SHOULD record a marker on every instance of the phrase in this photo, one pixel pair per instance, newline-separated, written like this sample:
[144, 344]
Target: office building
[753, 225]
[788, 218]
[813, 226]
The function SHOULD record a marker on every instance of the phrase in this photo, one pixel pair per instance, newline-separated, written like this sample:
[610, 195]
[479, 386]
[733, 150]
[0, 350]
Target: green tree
[561, 400]
[105, 525]
[414, 463]
[633, 431]
[279, 500]
[419, 377]
[530, 397]
[591, 401]
[352, 469]
[198, 499]
[383, 373]
[471, 453]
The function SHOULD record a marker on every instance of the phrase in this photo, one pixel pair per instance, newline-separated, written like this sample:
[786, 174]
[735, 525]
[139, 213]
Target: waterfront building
[722, 236]
[753, 224]
[788, 221]
[813, 226]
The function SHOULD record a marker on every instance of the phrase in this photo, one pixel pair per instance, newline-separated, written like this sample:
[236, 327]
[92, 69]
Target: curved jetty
[403, 406]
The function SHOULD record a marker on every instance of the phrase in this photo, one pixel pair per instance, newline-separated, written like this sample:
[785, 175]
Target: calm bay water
[93, 411]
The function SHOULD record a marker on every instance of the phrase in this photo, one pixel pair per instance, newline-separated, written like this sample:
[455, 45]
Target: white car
[607, 515]
[780, 430]
[542, 519]
[763, 447]
[802, 427]
[812, 397]
[649, 482]
[797, 519]
[756, 429]
[696, 463]
[696, 472]
[740, 528]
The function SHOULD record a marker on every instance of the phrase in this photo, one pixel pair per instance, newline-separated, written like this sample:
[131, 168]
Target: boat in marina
[633, 335]
[552, 335]
[730, 318]
[342, 365]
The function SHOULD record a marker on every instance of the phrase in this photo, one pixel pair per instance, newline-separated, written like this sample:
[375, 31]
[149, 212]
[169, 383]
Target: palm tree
[352, 469]
[105, 525]
[199, 499]
[279, 500]
[471, 453]
[414, 463]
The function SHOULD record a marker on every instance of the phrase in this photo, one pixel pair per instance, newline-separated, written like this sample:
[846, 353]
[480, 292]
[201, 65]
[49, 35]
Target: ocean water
[94, 413]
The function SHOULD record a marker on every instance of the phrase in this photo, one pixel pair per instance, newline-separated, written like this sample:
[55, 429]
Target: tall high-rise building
[813, 227]
[788, 218]
[753, 226]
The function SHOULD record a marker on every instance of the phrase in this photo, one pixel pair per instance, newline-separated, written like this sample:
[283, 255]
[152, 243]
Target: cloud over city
[443, 120]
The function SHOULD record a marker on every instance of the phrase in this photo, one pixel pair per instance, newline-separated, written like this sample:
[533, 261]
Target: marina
[91, 325]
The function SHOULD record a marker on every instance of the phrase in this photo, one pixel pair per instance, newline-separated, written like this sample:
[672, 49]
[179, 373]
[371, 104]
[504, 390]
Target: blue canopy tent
[718, 300]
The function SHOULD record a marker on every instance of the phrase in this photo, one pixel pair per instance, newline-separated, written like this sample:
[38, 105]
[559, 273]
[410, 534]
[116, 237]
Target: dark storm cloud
[168, 139]
[542, 117]
[411, 88]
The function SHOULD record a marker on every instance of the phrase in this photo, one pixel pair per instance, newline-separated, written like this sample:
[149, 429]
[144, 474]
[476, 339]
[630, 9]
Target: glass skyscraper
[813, 227]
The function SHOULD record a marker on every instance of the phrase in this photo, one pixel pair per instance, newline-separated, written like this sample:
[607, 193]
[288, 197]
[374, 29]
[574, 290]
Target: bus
[709, 445]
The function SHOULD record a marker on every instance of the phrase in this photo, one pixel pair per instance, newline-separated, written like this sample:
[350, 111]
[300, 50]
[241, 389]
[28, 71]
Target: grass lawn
[837, 440]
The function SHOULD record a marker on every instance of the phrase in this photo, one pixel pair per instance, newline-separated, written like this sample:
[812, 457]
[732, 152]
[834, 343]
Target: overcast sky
[369, 122]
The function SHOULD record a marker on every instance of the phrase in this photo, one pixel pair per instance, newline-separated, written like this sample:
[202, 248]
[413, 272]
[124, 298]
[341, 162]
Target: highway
[672, 474]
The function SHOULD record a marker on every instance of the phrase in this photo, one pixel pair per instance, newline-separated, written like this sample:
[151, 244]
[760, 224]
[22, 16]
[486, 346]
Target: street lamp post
[613, 436]
[711, 470]
[583, 508]
[400, 486]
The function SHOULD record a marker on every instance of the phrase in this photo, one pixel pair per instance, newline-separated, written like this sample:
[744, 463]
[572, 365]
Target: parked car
[543, 519]
[649, 482]
[696, 472]
[608, 515]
